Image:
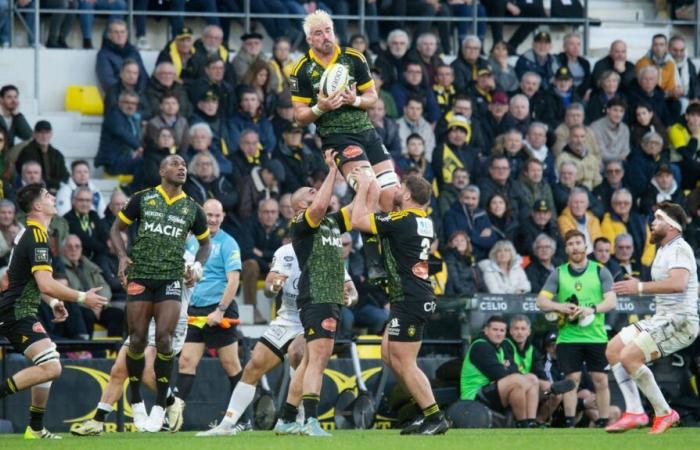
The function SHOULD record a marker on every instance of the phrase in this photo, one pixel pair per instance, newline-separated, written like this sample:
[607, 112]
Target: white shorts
[280, 334]
[661, 335]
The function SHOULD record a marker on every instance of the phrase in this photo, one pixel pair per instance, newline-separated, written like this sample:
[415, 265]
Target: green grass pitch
[508, 439]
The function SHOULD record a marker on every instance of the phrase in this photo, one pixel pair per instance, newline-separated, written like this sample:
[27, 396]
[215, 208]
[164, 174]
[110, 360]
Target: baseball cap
[42, 125]
[208, 95]
[292, 127]
[541, 206]
[184, 33]
[484, 71]
[563, 73]
[543, 36]
[550, 337]
[253, 35]
[276, 168]
[500, 98]
[458, 121]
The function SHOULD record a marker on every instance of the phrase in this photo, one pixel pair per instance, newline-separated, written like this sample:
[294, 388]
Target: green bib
[524, 362]
[472, 379]
[589, 290]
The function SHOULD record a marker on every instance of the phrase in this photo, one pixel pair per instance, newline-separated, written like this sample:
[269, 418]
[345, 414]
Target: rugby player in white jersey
[673, 327]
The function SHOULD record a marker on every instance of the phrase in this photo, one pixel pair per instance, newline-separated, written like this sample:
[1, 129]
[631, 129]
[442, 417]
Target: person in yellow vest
[581, 290]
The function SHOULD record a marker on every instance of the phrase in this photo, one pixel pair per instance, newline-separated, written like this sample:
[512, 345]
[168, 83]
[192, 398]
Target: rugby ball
[334, 78]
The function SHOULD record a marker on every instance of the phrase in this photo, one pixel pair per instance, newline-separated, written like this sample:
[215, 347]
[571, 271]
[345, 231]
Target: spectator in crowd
[454, 152]
[561, 190]
[83, 222]
[384, 95]
[482, 90]
[251, 51]
[503, 223]
[115, 50]
[623, 220]
[659, 57]
[538, 59]
[262, 183]
[462, 106]
[148, 173]
[39, 149]
[387, 128]
[646, 89]
[624, 258]
[644, 121]
[164, 81]
[209, 46]
[87, 21]
[450, 192]
[503, 70]
[444, 87]
[283, 114]
[213, 81]
[663, 188]
[281, 64]
[80, 177]
[540, 221]
[464, 277]
[613, 179]
[602, 253]
[128, 79]
[204, 182]
[9, 229]
[534, 185]
[574, 116]
[499, 181]
[108, 263]
[510, 144]
[496, 120]
[177, 52]
[466, 215]
[644, 162]
[262, 236]
[414, 122]
[588, 165]
[562, 94]
[608, 88]
[616, 61]
[426, 54]
[201, 139]
[683, 137]
[688, 87]
[578, 216]
[83, 275]
[258, 77]
[413, 84]
[415, 158]
[298, 160]
[502, 271]
[490, 376]
[169, 117]
[286, 210]
[539, 99]
[518, 116]
[117, 201]
[537, 148]
[249, 154]
[250, 116]
[11, 119]
[611, 133]
[468, 63]
[579, 67]
[541, 264]
[30, 174]
[120, 149]
[391, 62]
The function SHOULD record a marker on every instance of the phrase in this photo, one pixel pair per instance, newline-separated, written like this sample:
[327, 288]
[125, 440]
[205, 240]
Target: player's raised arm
[364, 203]
[319, 206]
[48, 286]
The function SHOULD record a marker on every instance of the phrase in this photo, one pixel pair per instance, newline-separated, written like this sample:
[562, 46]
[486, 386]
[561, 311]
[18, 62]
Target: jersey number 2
[425, 245]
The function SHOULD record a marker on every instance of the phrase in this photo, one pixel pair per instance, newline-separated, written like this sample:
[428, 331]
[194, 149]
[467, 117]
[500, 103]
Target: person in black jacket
[299, 161]
[541, 221]
[164, 81]
[204, 181]
[148, 172]
[541, 265]
[646, 89]
[127, 81]
[503, 223]
[464, 277]
[83, 222]
[214, 81]
[11, 120]
[617, 62]
[53, 165]
[499, 181]
[392, 60]
[613, 179]
[120, 149]
[578, 66]
[109, 263]
[208, 46]
[115, 50]
[453, 152]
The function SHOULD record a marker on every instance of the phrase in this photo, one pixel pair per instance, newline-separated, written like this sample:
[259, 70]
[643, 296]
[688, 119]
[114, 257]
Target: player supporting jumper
[213, 298]
[316, 240]
[117, 375]
[165, 216]
[581, 288]
[406, 237]
[673, 327]
[29, 281]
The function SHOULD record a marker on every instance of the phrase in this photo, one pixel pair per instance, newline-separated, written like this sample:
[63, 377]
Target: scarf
[684, 74]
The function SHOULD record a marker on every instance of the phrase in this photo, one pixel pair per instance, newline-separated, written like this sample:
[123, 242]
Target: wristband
[640, 288]
[358, 102]
[81, 297]
[54, 302]
[318, 112]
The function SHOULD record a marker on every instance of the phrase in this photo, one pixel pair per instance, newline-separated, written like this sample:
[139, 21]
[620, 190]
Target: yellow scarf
[450, 162]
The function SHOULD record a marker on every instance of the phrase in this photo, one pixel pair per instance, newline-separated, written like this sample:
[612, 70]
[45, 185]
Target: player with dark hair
[165, 216]
[29, 281]
[406, 237]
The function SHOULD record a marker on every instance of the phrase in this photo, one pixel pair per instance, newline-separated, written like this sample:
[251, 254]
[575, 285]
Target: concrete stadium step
[77, 144]
[60, 121]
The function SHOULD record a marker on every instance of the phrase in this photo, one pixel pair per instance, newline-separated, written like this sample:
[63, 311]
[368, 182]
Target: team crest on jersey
[152, 203]
[578, 286]
[41, 254]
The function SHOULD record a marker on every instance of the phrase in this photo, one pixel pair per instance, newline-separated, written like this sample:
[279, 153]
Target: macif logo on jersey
[167, 230]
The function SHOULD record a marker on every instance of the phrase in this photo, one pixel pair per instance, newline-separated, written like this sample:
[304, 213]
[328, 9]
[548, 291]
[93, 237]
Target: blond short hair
[316, 18]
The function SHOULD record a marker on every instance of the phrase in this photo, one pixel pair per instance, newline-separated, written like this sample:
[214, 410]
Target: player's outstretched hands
[331, 102]
[626, 287]
[95, 300]
[349, 95]
[60, 313]
[124, 263]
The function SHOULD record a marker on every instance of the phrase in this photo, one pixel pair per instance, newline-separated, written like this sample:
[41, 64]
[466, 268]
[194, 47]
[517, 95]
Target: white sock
[105, 407]
[633, 403]
[241, 397]
[645, 380]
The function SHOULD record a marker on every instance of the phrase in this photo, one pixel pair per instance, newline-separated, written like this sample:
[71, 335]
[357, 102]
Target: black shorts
[212, 337]
[407, 320]
[22, 333]
[571, 357]
[319, 320]
[489, 396]
[141, 290]
[363, 146]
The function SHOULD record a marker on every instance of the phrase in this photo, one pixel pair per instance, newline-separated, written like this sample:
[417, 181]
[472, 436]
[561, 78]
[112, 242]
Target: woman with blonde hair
[503, 273]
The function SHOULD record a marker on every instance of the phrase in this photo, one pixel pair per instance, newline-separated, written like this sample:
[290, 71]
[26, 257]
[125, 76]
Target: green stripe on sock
[132, 355]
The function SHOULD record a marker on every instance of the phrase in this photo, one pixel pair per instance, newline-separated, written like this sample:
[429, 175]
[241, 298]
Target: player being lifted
[673, 327]
[165, 216]
[29, 280]
[341, 118]
[406, 237]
